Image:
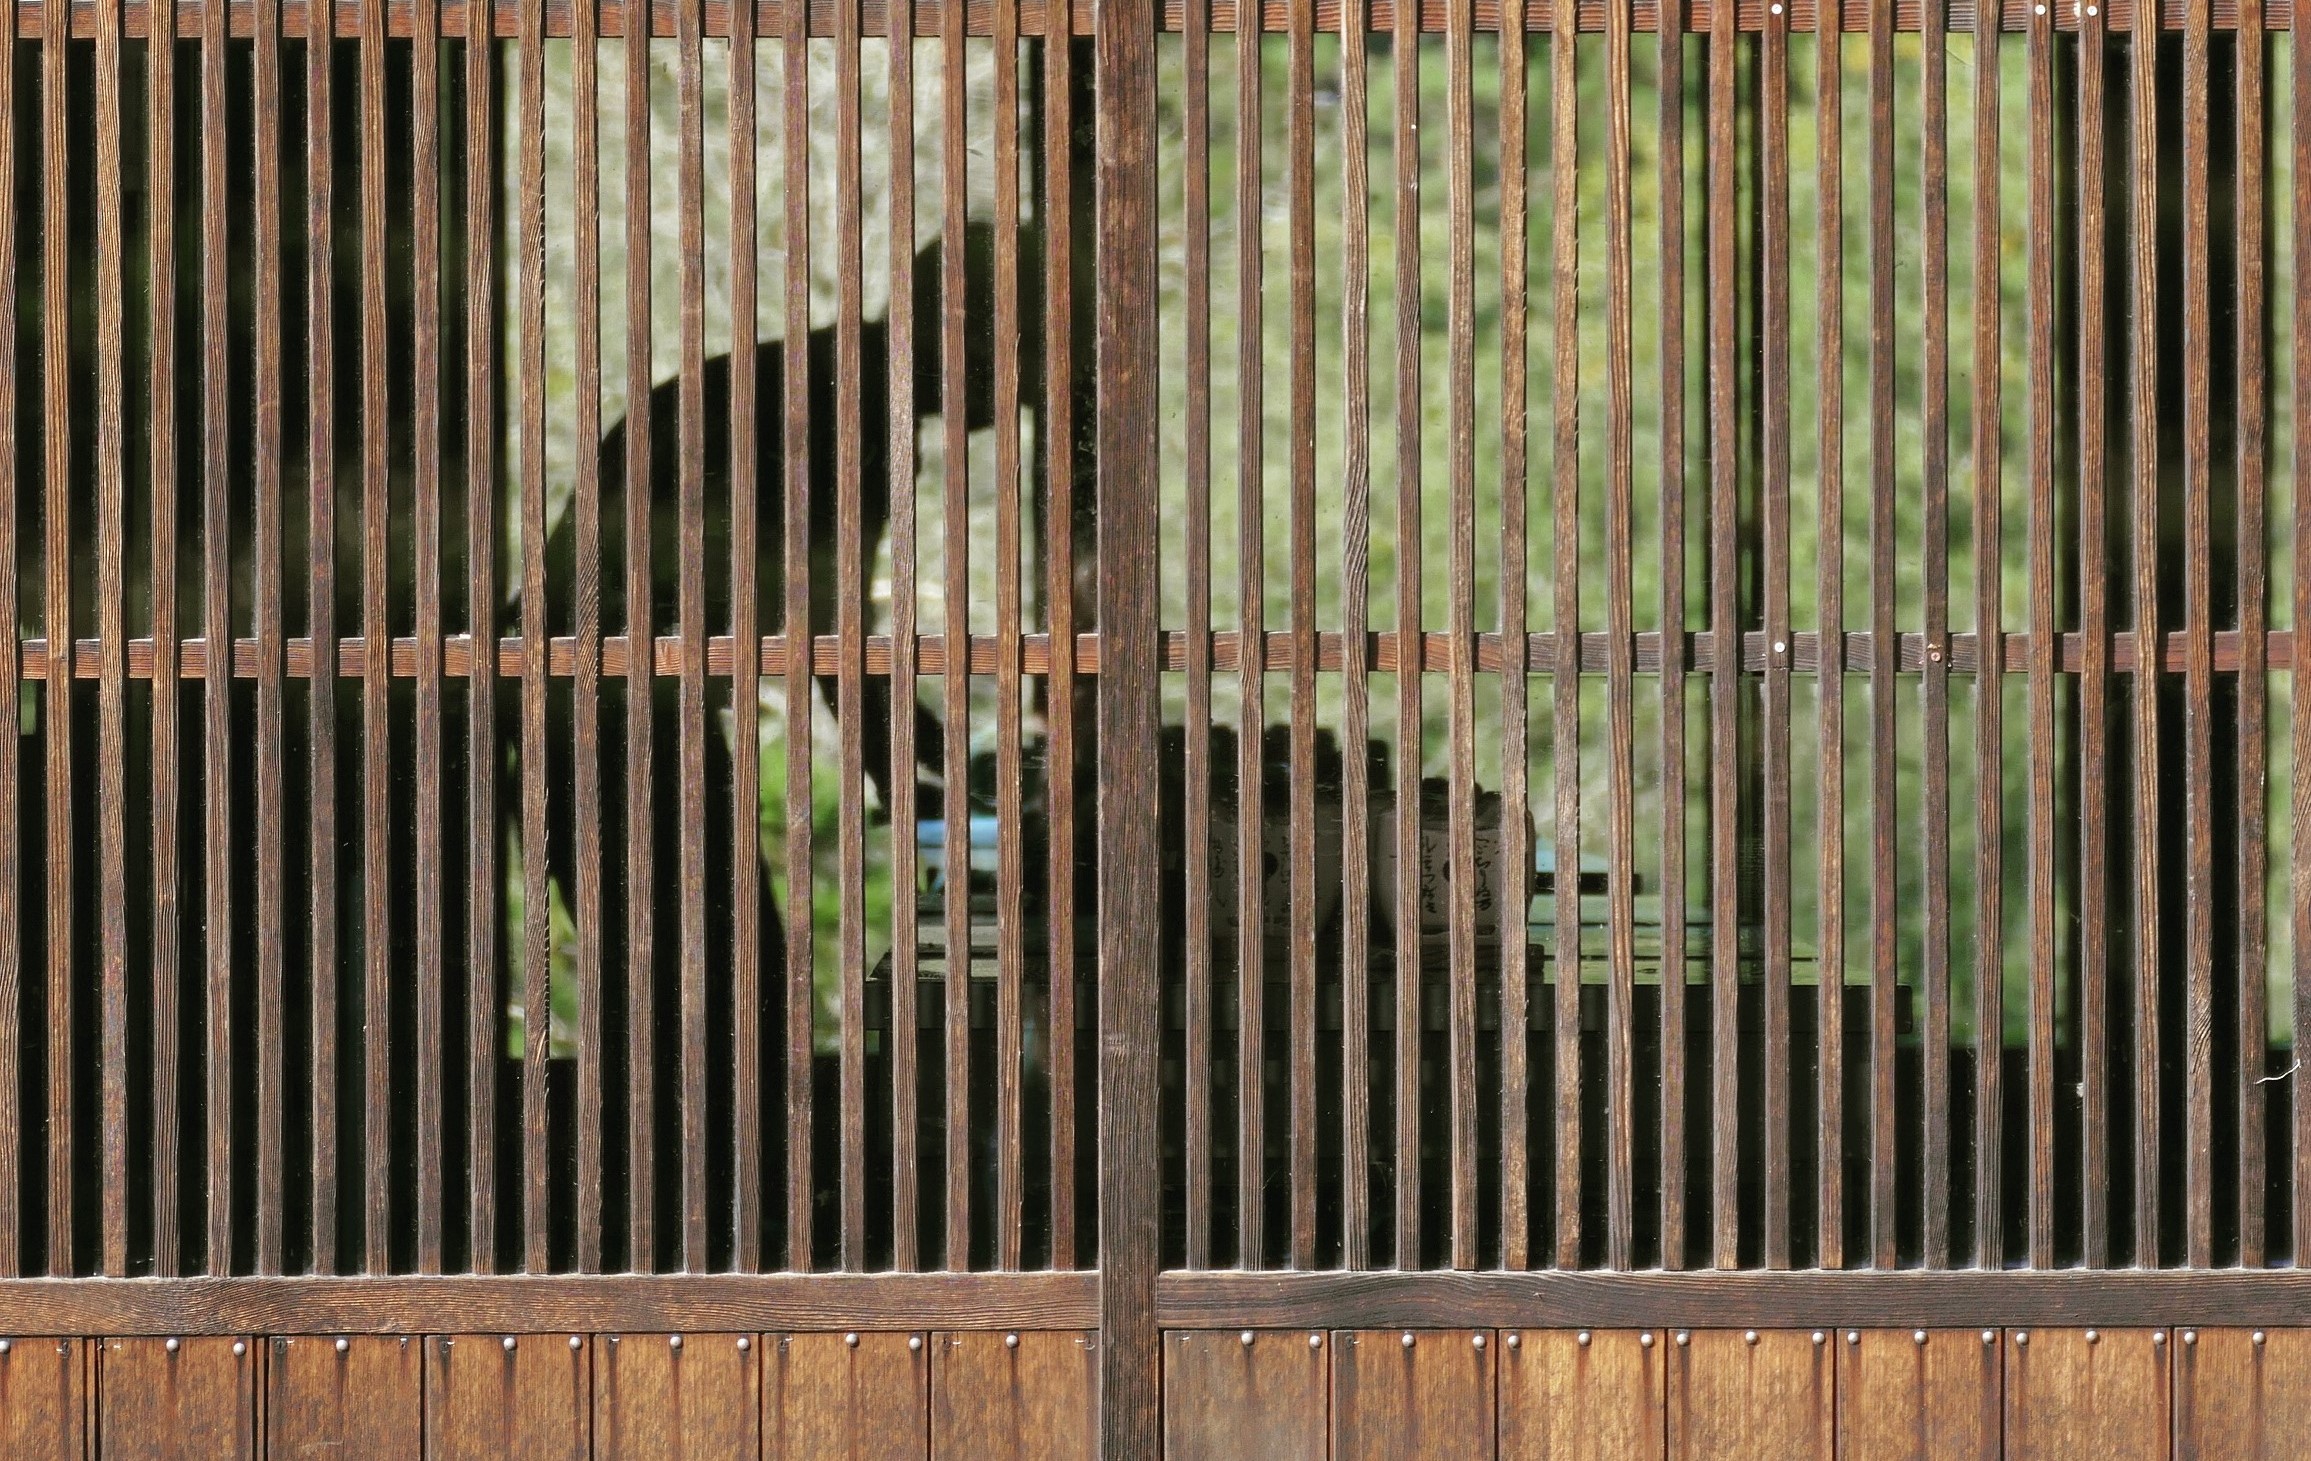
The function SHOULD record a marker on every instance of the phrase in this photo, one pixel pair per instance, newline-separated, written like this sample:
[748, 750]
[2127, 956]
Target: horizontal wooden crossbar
[1382, 655]
[470, 1303]
[1905, 1299]
[770, 17]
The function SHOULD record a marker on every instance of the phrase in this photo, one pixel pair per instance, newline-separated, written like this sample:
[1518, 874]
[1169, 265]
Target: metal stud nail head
[6, 1345]
[1477, 1340]
[1245, 1339]
[2190, 1336]
[576, 1343]
[2257, 1337]
[1582, 1339]
[2158, 1336]
[914, 1341]
[172, 1345]
[240, 1347]
[1749, 1336]
[1316, 1341]
[1408, 1339]
[1917, 1336]
[2021, 1336]
[1646, 1339]
[673, 1341]
[745, 1343]
[1989, 1336]
[509, 1344]
[1853, 1336]
[1516, 1340]
[343, 1344]
[1818, 1336]
[852, 1340]
[2093, 1336]
[1011, 1341]
[1682, 1337]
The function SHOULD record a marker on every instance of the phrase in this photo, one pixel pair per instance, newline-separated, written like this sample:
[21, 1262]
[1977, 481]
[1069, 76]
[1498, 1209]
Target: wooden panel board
[825, 1396]
[1761, 1393]
[494, 1395]
[2086, 1393]
[44, 1399]
[197, 1399]
[1244, 1396]
[663, 1395]
[1918, 1395]
[1412, 1393]
[358, 1395]
[1569, 1395]
[1036, 1398]
[2243, 1395]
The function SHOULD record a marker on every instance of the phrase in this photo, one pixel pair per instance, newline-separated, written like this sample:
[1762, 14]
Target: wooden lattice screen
[1117, 785]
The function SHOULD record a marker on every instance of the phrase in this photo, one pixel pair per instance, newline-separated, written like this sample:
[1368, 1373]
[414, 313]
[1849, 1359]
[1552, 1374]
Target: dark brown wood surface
[1911, 1395]
[1031, 1394]
[846, 1395]
[503, 1395]
[1246, 1395]
[2242, 1394]
[330, 1396]
[177, 1398]
[2087, 1392]
[1581, 1395]
[1749, 1393]
[44, 1395]
[1427, 1393]
[677, 1395]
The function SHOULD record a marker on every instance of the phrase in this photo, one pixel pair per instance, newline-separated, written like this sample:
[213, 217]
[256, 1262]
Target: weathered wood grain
[1425, 1393]
[676, 1395]
[2099, 1393]
[1912, 1395]
[1582, 1395]
[499, 1395]
[329, 1396]
[847, 1395]
[2242, 1395]
[1031, 1394]
[1249, 1395]
[1749, 1393]
[177, 1398]
[44, 1399]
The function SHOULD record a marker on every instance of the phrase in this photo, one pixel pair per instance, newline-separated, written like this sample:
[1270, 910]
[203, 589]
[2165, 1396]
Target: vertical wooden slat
[1989, 671]
[840, 1395]
[586, 619]
[1934, 470]
[425, 525]
[1516, 859]
[1057, 430]
[1301, 148]
[376, 729]
[2240, 1394]
[265, 562]
[216, 613]
[320, 613]
[1460, 568]
[1355, 692]
[674, 1395]
[1010, 768]
[1405, 902]
[537, 927]
[1010, 903]
[1130, 844]
[955, 605]
[850, 626]
[344, 1396]
[2251, 442]
[1914, 1395]
[690, 609]
[484, 1009]
[1774, 449]
[906, 1084]
[1620, 647]
[2094, 982]
[112, 655]
[56, 611]
[1565, 673]
[2198, 655]
[11, 912]
[2040, 894]
[1830, 608]
[794, 449]
[2143, 464]
[1425, 1392]
[641, 670]
[166, 931]
[1669, 70]
[2299, 892]
[1246, 1396]
[746, 641]
[1251, 664]
[1196, 551]
[1724, 643]
[1885, 876]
